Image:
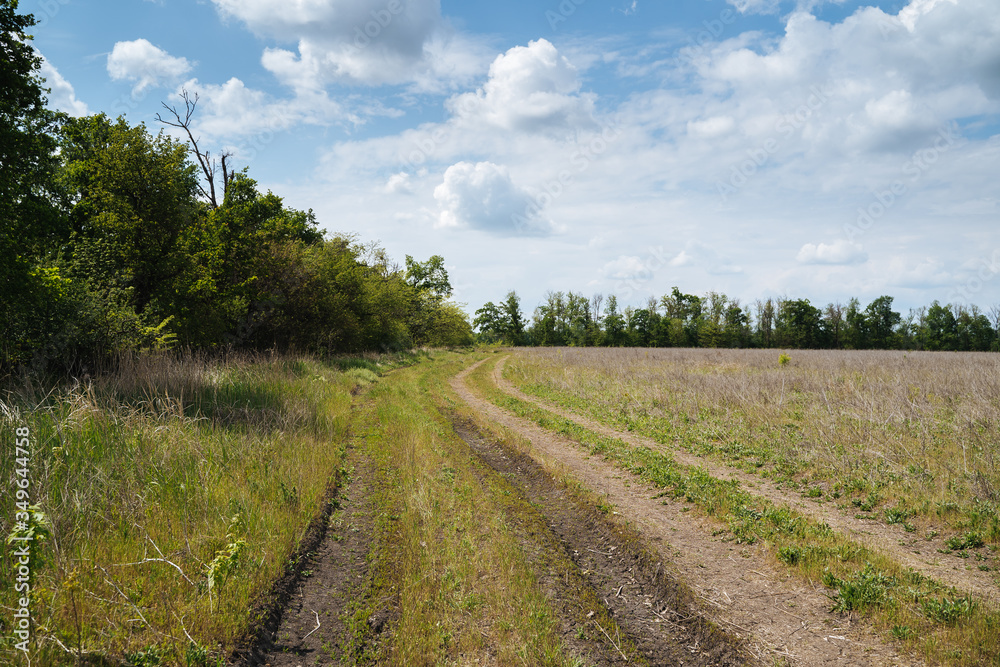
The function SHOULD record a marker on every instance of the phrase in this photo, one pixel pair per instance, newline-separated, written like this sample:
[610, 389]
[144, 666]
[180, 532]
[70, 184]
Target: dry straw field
[902, 433]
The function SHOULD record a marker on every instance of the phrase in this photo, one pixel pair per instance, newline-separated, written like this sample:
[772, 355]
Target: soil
[776, 616]
[652, 608]
[914, 552]
[312, 630]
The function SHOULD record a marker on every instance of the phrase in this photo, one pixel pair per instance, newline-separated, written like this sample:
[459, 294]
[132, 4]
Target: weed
[947, 610]
[865, 590]
[970, 540]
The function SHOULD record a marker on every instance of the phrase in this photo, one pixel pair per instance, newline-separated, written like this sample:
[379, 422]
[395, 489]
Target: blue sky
[814, 149]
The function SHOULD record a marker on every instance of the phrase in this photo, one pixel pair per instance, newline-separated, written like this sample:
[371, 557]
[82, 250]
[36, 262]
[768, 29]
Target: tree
[134, 200]
[513, 319]
[31, 225]
[429, 276]
[209, 167]
[881, 322]
[939, 330]
[614, 325]
[798, 324]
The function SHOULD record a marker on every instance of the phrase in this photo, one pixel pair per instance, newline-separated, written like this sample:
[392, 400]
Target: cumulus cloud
[530, 89]
[251, 117]
[398, 184]
[927, 273]
[838, 252]
[886, 79]
[626, 267]
[370, 42]
[61, 94]
[483, 196]
[145, 64]
[697, 254]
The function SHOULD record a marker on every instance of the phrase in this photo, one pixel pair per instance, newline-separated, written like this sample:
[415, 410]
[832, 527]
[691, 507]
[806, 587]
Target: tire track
[777, 616]
[873, 534]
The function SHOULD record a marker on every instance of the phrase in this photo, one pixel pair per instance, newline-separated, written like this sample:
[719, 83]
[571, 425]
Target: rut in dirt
[331, 573]
[921, 554]
[656, 612]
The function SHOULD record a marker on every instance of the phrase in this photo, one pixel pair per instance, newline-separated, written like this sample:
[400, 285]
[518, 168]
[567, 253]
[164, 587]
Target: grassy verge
[465, 587]
[939, 622]
[173, 493]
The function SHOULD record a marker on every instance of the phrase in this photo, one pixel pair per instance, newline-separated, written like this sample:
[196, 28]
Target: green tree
[881, 322]
[134, 200]
[799, 324]
[31, 225]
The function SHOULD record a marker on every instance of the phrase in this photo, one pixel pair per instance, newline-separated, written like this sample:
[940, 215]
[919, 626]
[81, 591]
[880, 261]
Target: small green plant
[970, 540]
[903, 632]
[151, 656]
[867, 589]
[948, 611]
[897, 514]
[790, 555]
[196, 655]
[783, 359]
[227, 559]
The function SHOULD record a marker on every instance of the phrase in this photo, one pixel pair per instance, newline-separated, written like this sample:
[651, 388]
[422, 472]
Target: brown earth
[776, 616]
[652, 608]
[914, 552]
[313, 629]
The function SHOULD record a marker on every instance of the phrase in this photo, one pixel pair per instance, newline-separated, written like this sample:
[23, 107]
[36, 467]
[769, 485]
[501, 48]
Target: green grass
[176, 489]
[466, 588]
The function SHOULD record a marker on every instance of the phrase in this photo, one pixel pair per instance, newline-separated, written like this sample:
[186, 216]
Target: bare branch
[208, 166]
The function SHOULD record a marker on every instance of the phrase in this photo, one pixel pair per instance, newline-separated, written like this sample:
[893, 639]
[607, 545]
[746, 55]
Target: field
[537, 507]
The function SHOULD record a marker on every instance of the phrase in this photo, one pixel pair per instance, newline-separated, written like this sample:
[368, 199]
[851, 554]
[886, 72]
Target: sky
[759, 148]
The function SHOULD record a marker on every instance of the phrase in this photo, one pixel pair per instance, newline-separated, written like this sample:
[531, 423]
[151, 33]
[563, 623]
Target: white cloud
[530, 89]
[399, 184]
[838, 252]
[928, 273]
[369, 42]
[483, 196]
[710, 128]
[755, 6]
[708, 258]
[234, 111]
[61, 96]
[145, 64]
[626, 267]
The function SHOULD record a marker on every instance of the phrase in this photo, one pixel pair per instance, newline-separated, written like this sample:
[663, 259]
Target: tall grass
[176, 490]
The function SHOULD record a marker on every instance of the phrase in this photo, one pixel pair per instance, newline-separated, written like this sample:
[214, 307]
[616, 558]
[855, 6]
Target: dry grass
[870, 426]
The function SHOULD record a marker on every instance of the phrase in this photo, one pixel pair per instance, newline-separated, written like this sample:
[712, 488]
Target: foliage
[715, 320]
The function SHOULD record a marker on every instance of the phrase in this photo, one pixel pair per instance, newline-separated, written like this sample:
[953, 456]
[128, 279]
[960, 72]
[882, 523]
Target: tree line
[715, 320]
[114, 239]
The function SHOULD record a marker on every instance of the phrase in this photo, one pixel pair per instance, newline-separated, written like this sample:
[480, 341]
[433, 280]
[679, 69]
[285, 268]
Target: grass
[176, 490]
[864, 581]
[466, 588]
